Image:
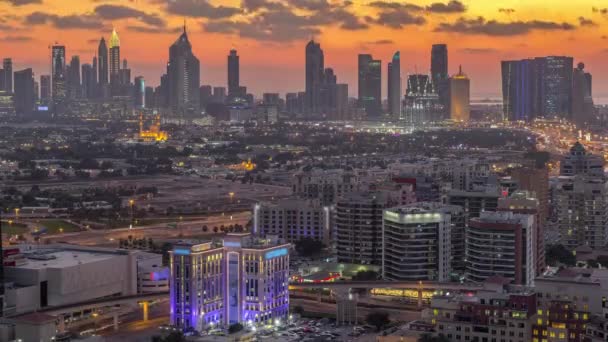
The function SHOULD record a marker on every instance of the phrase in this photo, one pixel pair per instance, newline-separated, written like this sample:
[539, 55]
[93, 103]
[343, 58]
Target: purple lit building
[242, 280]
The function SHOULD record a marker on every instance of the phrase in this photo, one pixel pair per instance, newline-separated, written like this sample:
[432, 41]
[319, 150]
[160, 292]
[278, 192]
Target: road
[156, 231]
[330, 308]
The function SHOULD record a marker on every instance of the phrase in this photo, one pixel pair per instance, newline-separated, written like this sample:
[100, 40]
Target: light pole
[131, 204]
[17, 214]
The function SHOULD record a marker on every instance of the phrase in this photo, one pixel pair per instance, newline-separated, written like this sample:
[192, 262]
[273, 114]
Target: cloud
[380, 42]
[115, 12]
[586, 22]
[148, 29]
[478, 50]
[454, 6]
[200, 9]
[603, 11]
[93, 41]
[22, 2]
[254, 5]
[311, 5]
[71, 21]
[506, 10]
[397, 18]
[16, 39]
[496, 28]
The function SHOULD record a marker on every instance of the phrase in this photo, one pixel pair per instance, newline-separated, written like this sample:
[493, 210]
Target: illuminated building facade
[244, 280]
[417, 242]
[370, 86]
[460, 97]
[154, 133]
[421, 103]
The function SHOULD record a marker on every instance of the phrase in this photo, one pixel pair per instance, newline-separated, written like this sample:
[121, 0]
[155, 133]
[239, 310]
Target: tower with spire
[114, 61]
[183, 76]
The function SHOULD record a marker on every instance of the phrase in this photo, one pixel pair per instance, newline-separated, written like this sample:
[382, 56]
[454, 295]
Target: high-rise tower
[460, 97]
[183, 73]
[233, 74]
[315, 69]
[114, 58]
[394, 86]
[7, 66]
[370, 85]
[102, 62]
[439, 74]
[58, 75]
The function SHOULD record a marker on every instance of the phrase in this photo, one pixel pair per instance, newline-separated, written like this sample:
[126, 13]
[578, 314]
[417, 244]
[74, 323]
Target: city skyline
[506, 31]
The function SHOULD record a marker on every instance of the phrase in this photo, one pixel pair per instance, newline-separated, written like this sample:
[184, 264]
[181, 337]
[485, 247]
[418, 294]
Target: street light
[17, 213]
[131, 204]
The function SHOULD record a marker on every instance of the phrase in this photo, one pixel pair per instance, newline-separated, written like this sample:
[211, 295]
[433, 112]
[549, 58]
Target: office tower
[7, 67]
[502, 244]
[417, 241]
[245, 280]
[88, 81]
[102, 62]
[58, 75]
[25, 96]
[219, 94]
[94, 73]
[139, 92]
[2, 80]
[73, 80]
[342, 108]
[474, 202]
[520, 89]
[183, 72]
[293, 220]
[233, 74]
[439, 75]
[45, 88]
[359, 226]
[460, 97]
[149, 97]
[394, 86]
[114, 60]
[205, 96]
[370, 86]
[421, 101]
[556, 87]
[580, 162]
[324, 185]
[582, 102]
[327, 100]
[315, 68]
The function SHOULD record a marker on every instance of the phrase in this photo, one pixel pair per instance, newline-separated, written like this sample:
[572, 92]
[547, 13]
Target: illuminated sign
[232, 244]
[276, 253]
[181, 251]
[43, 108]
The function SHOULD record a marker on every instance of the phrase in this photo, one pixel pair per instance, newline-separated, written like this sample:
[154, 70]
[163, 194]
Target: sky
[270, 35]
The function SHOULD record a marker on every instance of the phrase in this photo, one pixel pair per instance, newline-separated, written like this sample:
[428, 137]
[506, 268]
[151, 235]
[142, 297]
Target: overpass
[63, 311]
[374, 284]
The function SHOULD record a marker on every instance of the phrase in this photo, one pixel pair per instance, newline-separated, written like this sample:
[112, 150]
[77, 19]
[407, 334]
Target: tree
[366, 275]
[426, 337]
[298, 309]
[205, 228]
[215, 229]
[308, 247]
[174, 336]
[377, 319]
[234, 328]
[559, 254]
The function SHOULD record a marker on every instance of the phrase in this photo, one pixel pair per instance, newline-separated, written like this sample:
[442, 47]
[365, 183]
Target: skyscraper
[315, 68]
[370, 86]
[582, 102]
[233, 74]
[460, 97]
[88, 81]
[520, 89]
[114, 60]
[556, 87]
[183, 72]
[394, 86]
[25, 96]
[102, 62]
[439, 73]
[7, 66]
[139, 92]
[74, 78]
[58, 74]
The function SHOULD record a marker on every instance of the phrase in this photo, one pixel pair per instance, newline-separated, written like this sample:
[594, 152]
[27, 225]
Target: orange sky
[270, 35]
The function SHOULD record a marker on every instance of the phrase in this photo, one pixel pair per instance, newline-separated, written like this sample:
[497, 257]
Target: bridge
[63, 311]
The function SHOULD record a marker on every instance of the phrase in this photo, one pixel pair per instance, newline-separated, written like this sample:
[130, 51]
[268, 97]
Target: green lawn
[13, 229]
[56, 226]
